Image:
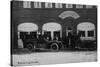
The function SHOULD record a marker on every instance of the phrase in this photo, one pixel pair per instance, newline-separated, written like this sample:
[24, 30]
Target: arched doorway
[26, 30]
[52, 30]
[69, 19]
[86, 30]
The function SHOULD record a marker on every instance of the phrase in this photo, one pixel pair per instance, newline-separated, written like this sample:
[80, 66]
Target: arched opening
[66, 14]
[26, 31]
[27, 27]
[86, 30]
[52, 31]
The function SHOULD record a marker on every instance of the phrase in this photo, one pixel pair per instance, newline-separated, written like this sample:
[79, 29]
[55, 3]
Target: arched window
[66, 14]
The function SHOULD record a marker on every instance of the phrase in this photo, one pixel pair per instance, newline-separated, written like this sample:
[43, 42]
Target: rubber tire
[54, 47]
[30, 46]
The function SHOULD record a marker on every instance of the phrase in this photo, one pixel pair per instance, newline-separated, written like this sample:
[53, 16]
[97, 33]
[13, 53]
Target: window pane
[26, 4]
[90, 33]
[47, 35]
[79, 6]
[37, 5]
[89, 6]
[23, 35]
[33, 35]
[48, 5]
[56, 35]
[69, 6]
[81, 33]
[27, 36]
[58, 5]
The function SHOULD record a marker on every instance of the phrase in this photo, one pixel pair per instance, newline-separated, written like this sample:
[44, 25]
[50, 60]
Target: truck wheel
[30, 46]
[54, 46]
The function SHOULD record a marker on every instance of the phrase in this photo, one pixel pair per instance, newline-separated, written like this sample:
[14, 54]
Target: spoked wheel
[30, 46]
[54, 47]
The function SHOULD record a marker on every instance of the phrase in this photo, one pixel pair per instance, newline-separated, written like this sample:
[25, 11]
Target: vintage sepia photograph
[52, 33]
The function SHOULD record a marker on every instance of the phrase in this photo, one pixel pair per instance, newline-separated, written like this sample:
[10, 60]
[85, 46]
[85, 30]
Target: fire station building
[59, 16]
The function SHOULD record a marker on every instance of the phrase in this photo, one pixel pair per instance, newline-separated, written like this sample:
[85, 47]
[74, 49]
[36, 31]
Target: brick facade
[43, 14]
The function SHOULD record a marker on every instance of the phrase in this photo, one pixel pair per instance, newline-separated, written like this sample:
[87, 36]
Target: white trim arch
[27, 27]
[66, 14]
[86, 27]
[52, 26]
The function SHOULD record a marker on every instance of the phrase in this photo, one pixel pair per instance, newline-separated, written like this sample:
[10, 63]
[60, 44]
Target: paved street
[39, 58]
